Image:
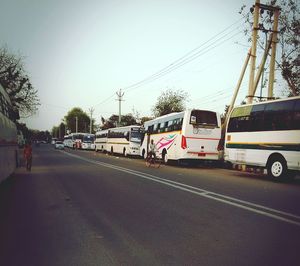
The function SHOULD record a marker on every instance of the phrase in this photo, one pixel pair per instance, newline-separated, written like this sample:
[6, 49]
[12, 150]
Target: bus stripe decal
[265, 146]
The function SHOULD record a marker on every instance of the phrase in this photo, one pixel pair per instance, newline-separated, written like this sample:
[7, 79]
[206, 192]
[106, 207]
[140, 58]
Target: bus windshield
[88, 139]
[204, 118]
[136, 136]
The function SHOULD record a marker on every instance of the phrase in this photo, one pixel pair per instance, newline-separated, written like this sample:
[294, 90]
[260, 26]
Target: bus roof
[270, 101]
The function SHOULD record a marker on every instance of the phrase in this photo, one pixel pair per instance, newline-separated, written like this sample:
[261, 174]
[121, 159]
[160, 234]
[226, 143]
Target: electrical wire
[188, 57]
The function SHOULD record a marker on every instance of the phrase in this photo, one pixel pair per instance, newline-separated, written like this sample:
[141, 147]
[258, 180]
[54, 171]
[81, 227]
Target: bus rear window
[204, 118]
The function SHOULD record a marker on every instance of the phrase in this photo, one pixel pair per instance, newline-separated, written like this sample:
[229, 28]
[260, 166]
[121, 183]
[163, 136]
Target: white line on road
[256, 208]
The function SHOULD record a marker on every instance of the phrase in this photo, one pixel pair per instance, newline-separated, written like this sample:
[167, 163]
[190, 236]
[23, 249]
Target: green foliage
[83, 120]
[144, 119]
[170, 101]
[15, 81]
[54, 132]
[288, 48]
[112, 121]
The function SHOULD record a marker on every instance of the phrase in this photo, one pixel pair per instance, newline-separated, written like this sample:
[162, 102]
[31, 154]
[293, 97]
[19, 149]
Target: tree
[61, 130]
[170, 101]
[126, 120]
[144, 119]
[16, 82]
[82, 118]
[54, 132]
[288, 39]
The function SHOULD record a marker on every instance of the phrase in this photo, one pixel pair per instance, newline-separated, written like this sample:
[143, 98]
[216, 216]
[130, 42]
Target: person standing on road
[152, 149]
[28, 156]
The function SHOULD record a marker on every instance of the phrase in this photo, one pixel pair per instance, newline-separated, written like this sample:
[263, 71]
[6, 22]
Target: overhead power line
[188, 57]
[213, 42]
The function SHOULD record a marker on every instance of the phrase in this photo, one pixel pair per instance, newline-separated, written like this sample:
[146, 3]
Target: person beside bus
[28, 156]
[152, 149]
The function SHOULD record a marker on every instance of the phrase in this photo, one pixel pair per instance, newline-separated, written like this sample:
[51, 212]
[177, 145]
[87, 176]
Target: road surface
[86, 208]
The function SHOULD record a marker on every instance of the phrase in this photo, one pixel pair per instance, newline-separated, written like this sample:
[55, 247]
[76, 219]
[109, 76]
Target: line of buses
[264, 135]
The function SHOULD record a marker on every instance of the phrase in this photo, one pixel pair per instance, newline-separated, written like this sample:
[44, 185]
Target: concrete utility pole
[120, 95]
[253, 51]
[271, 42]
[91, 110]
[76, 119]
[273, 54]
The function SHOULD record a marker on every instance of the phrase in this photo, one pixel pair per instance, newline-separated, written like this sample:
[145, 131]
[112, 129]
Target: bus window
[278, 115]
[296, 118]
[256, 122]
[162, 127]
[155, 127]
[178, 124]
[205, 118]
[170, 126]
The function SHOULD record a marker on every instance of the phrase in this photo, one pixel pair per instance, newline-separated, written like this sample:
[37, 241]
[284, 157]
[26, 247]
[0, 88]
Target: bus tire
[165, 157]
[277, 168]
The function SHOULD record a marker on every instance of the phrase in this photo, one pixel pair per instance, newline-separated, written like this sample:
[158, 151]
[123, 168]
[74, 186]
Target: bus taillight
[183, 142]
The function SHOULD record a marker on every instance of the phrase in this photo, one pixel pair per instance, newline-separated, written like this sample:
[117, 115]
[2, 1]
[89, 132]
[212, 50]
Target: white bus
[68, 141]
[191, 134]
[101, 140]
[73, 140]
[88, 142]
[8, 137]
[124, 140]
[265, 135]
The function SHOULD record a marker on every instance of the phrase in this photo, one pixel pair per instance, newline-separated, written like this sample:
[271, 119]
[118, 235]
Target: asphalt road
[83, 208]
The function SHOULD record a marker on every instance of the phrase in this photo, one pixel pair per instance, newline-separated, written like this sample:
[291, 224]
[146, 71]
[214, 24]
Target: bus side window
[278, 115]
[162, 127]
[178, 124]
[256, 122]
[158, 128]
[170, 125]
[296, 118]
[150, 129]
[155, 127]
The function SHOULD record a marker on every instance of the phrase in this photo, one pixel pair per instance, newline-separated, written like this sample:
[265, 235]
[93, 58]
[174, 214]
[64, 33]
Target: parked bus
[68, 141]
[191, 134]
[88, 142]
[101, 140]
[124, 140]
[73, 140]
[8, 137]
[265, 135]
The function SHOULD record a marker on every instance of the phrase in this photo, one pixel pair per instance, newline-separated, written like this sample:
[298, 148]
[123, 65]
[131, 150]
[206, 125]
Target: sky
[80, 53]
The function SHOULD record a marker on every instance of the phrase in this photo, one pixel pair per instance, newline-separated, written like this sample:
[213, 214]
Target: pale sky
[79, 53]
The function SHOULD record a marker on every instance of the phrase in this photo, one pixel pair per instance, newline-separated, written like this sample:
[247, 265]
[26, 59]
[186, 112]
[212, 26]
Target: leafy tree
[170, 101]
[61, 130]
[15, 81]
[144, 119]
[83, 120]
[112, 121]
[288, 47]
[54, 132]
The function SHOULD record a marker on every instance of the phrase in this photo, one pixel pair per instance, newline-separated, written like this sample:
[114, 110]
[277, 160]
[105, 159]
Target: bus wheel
[165, 157]
[277, 168]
